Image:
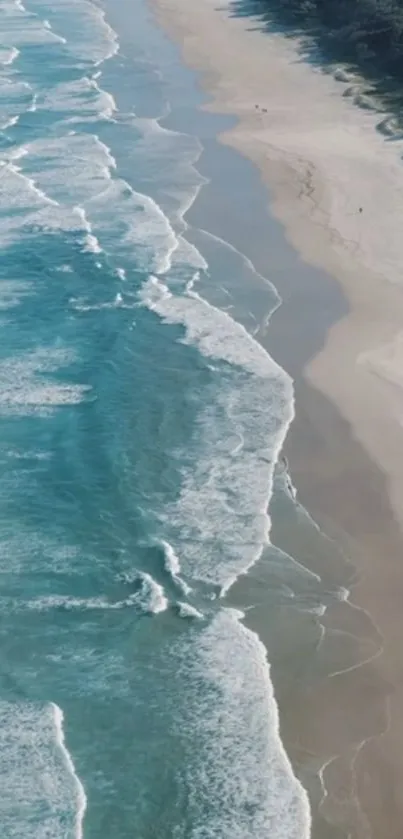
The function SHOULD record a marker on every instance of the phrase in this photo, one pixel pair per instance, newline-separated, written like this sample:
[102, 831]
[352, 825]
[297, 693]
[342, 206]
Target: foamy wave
[80, 792]
[239, 781]
[31, 184]
[74, 172]
[80, 99]
[94, 40]
[91, 244]
[148, 594]
[187, 254]
[15, 99]
[21, 27]
[175, 154]
[220, 522]
[69, 604]
[8, 56]
[108, 104]
[26, 208]
[172, 566]
[149, 597]
[213, 331]
[137, 225]
[48, 26]
[116, 303]
[185, 610]
[41, 793]
[9, 123]
[78, 167]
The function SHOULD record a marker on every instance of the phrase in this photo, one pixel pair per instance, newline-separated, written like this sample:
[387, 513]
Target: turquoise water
[140, 424]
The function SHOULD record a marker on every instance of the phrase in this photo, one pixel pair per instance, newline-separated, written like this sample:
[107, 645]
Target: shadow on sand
[368, 83]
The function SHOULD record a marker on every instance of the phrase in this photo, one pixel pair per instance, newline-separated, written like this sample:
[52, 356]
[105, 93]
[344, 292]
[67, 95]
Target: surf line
[81, 797]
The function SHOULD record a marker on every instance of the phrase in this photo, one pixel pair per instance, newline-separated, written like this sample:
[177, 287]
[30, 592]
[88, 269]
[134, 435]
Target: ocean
[140, 427]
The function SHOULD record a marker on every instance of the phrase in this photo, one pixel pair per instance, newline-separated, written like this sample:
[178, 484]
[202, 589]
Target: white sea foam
[137, 225]
[32, 185]
[21, 26]
[70, 169]
[41, 794]
[80, 792]
[185, 610]
[67, 603]
[239, 781]
[15, 99]
[108, 104]
[64, 269]
[8, 55]
[25, 208]
[79, 99]
[175, 154]
[80, 304]
[220, 522]
[91, 244]
[60, 38]
[75, 171]
[188, 255]
[213, 331]
[94, 40]
[149, 597]
[138, 221]
[9, 123]
[172, 566]
[32, 107]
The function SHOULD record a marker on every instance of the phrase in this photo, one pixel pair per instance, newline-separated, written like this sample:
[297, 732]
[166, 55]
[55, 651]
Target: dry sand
[323, 159]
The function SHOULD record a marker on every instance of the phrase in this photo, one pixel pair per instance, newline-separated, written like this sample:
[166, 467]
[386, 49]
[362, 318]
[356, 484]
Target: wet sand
[322, 158]
[300, 671]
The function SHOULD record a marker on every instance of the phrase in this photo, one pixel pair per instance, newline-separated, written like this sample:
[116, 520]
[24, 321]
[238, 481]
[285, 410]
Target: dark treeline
[368, 33]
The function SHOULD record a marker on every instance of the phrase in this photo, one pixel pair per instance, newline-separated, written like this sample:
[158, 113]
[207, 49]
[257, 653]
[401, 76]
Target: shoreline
[217, 164]
[327, 236]
[344, 442]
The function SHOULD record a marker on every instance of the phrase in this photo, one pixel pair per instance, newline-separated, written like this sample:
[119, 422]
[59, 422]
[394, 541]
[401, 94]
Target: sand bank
[323, 160]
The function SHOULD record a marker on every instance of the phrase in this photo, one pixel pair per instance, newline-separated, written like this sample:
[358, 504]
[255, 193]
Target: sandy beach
[336, 184]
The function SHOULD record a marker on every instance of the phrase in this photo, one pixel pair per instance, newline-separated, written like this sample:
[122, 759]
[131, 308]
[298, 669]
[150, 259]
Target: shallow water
[140, 424]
